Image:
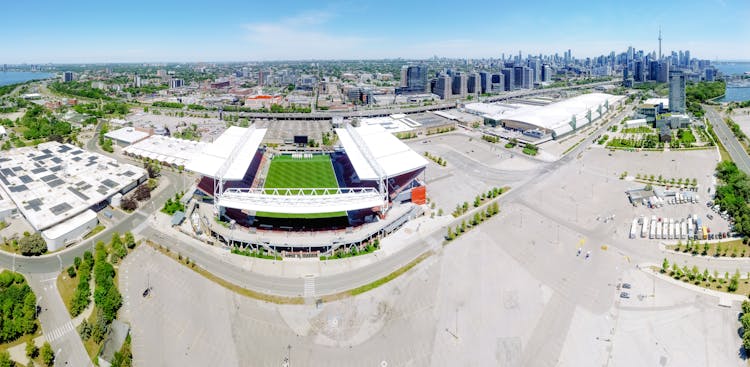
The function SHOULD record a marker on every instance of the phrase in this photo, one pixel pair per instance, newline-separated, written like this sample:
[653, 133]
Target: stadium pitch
[313, 173]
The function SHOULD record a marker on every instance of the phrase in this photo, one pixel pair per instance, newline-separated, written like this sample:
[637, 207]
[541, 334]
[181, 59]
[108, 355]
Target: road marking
[60, 331]
[309, 286]
[48, 280]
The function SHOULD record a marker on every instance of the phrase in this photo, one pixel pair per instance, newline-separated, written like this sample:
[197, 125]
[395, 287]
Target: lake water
[13, 77]
[732, 68]
[736, 95]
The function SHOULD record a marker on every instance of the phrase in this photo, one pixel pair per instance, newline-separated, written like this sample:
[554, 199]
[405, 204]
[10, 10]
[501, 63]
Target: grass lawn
[315, 172]
[67, 288]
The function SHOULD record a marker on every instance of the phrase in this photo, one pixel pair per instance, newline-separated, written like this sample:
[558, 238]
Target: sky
[234, 30]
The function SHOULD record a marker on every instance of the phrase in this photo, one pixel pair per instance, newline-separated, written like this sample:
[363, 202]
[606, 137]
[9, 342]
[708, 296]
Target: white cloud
[304, 37]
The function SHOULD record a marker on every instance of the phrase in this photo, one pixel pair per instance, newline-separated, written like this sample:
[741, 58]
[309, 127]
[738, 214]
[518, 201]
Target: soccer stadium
[259, 192]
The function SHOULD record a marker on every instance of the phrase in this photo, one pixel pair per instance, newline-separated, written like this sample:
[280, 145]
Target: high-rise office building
[175, 83]
[474, 84]
[663, 71]
[653, 70]
[137, 81]
[498, 83]
[546, 73]
[460, 84]
[710, 74]
[443, 86]
[510, 83]
[517, 77]
[639, 72]
[67, 76]
[528, 78]
[413, 79]
[677, 91]
[523, 77]
[485, 81]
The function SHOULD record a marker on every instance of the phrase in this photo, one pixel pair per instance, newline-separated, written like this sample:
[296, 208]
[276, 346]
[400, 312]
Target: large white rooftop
[53, 182]
[242, 142]
[390, 154]
[558, 116]
[166, 149]
[395, 123]
[128, 135]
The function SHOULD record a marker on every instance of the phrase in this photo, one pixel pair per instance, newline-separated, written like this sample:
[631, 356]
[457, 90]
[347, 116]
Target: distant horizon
[271, 61]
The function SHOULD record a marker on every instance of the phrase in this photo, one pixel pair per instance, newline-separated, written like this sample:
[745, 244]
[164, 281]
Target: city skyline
[230, 31]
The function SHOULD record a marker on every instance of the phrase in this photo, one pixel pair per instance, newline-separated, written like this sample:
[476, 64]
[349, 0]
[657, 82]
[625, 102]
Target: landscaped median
[705, 278]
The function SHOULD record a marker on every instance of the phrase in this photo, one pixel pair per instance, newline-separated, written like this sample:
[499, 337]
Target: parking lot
[473, 167]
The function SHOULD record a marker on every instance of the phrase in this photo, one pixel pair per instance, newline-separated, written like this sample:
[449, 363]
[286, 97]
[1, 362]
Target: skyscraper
[460, 84]
[677, 91]
[443, 86]
[473, 84]
[509, 82]
[67, 76]
[663, 71]
[413, 79]
[498, 83]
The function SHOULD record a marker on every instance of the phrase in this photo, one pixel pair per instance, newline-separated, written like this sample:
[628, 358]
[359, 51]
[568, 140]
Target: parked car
[624, 295]
[626, 285]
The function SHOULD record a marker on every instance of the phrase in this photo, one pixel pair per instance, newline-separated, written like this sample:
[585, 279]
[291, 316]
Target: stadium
[260, 194]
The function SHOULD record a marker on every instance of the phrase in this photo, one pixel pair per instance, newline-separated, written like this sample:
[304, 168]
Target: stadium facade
[267, 190]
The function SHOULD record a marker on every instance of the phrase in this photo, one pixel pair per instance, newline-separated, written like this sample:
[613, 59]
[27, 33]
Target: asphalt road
[733, 146]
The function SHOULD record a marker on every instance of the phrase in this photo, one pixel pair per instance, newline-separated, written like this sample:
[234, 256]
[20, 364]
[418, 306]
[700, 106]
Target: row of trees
[478, 218]
[662, 180]
[82, 296]
[697, 277]
[733, 195]
[436, 159]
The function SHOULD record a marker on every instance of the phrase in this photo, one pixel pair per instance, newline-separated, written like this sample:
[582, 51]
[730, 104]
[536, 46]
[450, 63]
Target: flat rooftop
[129, 135]
[53, 182]
[166, 149]
[390, 154]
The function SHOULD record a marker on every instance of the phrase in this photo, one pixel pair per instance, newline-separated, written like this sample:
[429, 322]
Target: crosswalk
[60, 331]
[309, 290]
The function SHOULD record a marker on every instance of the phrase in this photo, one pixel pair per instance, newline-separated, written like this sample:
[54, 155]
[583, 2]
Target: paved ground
[492, 297]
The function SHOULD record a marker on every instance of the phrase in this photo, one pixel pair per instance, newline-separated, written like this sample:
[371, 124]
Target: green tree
[48, 356]
[32, 245]
[665, 265]
[31, 349]
[5, 360]
[129, 240]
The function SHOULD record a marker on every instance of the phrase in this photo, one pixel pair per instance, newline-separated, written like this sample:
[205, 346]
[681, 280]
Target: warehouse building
[58, 187]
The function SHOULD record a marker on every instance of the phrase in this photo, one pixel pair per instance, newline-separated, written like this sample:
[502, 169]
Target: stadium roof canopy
[390, 154]
[236, 147]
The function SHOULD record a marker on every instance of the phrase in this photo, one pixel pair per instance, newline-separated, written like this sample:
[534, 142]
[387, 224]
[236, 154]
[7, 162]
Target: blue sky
[233, 30]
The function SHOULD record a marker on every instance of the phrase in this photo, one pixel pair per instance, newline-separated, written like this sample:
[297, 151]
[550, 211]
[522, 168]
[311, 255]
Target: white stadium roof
[173, 150]
[243, 142]
[391, 155]
[557, 116]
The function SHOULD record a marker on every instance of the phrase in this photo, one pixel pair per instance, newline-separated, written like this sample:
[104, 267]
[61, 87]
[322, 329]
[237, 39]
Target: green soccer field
[315, 172]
